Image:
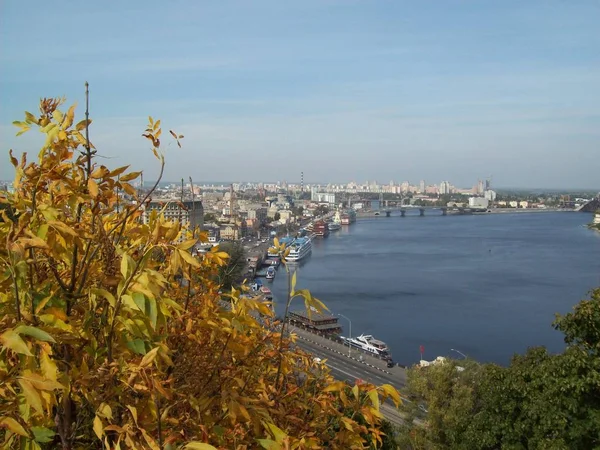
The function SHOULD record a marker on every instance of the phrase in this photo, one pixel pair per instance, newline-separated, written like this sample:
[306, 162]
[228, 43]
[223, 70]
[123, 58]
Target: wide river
[485, 285]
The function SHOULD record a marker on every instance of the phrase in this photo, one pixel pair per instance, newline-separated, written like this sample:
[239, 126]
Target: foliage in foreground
[111, 331]
[541, 401]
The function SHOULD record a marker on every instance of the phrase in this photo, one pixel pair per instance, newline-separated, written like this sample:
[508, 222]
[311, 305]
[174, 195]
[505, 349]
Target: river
[486, 285]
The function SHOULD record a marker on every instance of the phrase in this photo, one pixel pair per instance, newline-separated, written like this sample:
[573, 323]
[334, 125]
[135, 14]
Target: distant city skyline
[339, 89]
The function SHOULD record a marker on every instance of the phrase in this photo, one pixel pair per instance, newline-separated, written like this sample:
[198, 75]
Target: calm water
[487, 285]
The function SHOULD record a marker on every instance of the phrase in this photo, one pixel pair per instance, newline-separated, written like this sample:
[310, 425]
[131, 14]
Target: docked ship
[301, 247]
[348, 217]
[284, 240]
[333, 226]
[321, 229]
[369, 344]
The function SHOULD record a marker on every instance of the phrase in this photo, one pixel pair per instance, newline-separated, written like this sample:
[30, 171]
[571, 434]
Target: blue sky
[340, 89]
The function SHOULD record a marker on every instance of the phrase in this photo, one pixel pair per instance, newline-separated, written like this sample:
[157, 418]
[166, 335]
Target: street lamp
[459, 352]
[349, 331]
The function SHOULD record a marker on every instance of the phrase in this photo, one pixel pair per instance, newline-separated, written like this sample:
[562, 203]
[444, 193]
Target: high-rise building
[480, 187]
[422, 187]
[444, 188]
[187, 212]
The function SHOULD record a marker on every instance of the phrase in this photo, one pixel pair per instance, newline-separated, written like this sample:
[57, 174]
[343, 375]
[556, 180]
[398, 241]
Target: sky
[341, 90]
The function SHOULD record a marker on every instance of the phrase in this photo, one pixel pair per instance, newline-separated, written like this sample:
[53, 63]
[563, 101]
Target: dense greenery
[111, 333]
[230, 273]
[210, 218]
[541, 401]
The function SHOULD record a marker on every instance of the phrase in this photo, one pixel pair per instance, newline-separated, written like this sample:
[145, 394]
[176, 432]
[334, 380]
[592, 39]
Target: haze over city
[341, 90]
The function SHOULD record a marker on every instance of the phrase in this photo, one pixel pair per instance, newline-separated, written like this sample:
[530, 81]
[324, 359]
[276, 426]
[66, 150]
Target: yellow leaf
[133, 411]
[13, 425]
[269, 444]
[11, 339]
[58, 115]
[277, 433]
[276, 243]
[186, 245]
[334, 387]
[118, 171]
[374, 396]
[149, 357]
[189, 258]
[34, 242]
[92, 188]
[48, 366]
[293, 282]
[198, 446]
[30, 117]
[81, 125]
[100, 172]
[355, 391]
[125, 266]
[31, 395]
[391, 391]
[130, 176]
[98, 427]
[129, 189]
[69, 117]
[62, 135]
[347, 423]
[149, 440]
[38, 382]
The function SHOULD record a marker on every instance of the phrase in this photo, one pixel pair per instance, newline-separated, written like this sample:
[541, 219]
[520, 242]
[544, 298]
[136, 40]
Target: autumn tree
[112, 333]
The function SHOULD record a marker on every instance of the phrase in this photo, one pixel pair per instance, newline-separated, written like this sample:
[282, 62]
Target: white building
[478, 203]
[490, 195]
[322, 197]
[444, 188]
[597, 218]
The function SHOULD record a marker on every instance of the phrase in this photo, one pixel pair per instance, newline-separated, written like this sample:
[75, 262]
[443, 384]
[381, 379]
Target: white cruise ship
[301, 247]
[369, 344]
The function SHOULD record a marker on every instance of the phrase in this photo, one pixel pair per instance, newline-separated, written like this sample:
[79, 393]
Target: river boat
[334, 226]
[348, 217]
[270, 273]
[321, 229]
[273, 261]
[266, 292]
[299, 249]
[369, 344]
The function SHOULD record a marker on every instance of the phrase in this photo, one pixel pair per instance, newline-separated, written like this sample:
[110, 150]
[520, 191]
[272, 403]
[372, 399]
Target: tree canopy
[540, 401]
[112, 334]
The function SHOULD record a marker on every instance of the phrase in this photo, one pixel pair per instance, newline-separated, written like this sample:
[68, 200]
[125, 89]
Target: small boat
[266, 292]
[369, 344]
[333, 226]
[270, 273]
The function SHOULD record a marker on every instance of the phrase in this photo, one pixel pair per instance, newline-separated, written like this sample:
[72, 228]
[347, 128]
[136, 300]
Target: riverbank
[450, 212]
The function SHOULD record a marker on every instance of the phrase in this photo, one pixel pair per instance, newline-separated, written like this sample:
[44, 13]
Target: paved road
[357, 366]
[352, 368]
